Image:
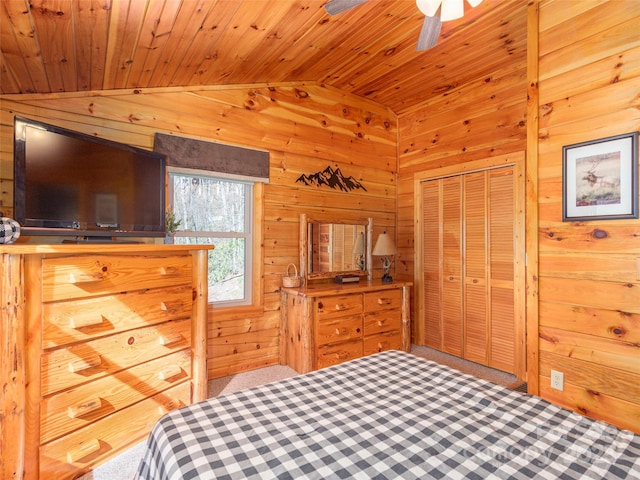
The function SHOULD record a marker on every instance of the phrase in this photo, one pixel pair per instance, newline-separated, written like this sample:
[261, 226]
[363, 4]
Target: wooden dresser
[98, 342]
[325, 324]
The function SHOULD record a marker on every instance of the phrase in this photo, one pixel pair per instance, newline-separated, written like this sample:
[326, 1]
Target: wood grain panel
[603, 351]
[591, 293]
[589, 74]
[591, 376]
[600, 322]
[305, 128]
[13, 364]
[594, 404]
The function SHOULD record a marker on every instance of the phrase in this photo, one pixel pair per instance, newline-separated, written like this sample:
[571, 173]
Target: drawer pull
[384, 301]
[340, 307]
[84, 408]
[77, 366]
[169, 271]
[171, 307]
[82, 450]
[83, 277]
[170, 405]
[170, 338]
[342, 355]
[169, 372]
[85, 321]
[381, 323]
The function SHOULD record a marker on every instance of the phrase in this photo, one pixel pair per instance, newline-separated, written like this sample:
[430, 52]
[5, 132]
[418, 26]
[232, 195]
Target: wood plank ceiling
[51, 46]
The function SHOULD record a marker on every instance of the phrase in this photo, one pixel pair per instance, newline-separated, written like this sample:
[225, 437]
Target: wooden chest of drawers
[109, 339]
[326, 324]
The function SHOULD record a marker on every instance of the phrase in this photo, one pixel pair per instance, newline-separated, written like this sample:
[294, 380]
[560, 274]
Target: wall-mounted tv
[68, 183]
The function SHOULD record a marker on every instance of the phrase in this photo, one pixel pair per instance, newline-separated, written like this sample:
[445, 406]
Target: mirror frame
[304, 248]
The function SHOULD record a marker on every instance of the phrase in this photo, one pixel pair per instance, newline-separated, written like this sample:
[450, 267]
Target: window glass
[216, 211]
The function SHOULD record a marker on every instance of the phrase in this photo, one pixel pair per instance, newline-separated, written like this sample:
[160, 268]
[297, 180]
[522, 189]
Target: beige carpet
[475, 369]
[124, 466]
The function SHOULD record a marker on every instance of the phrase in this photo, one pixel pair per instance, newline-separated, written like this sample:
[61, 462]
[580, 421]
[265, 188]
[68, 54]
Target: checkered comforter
[387, 416]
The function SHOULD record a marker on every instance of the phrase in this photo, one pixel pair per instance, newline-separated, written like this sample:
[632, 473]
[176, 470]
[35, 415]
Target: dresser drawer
[382, 342]
[84, 276]
[337, 353]
[62, 458]
[382, 321]
[80, 320]
[71, 366]
[76, 408]
[382, 300]
[340, 329]
[338, 306]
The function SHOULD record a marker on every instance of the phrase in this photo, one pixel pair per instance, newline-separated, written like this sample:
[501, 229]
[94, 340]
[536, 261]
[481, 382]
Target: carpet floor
[124, 466]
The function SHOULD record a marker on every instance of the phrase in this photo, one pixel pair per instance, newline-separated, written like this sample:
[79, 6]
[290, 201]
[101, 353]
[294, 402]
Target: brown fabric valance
[215, 157]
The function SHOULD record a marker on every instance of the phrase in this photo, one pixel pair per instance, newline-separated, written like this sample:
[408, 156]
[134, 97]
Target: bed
[386, 416]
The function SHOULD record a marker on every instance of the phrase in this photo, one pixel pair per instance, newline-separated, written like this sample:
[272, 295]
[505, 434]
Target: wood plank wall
[459, 125]
[589, 299]
[305, 128]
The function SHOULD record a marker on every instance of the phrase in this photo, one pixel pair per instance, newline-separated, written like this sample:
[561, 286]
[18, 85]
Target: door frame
[516, 160]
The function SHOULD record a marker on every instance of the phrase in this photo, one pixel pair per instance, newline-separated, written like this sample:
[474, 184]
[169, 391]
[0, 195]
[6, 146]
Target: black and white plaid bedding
[387, 416]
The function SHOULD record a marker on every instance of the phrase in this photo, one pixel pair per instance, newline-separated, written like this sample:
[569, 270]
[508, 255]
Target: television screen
[72, 184]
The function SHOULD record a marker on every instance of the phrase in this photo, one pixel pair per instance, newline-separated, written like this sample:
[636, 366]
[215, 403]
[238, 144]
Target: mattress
[386, 416]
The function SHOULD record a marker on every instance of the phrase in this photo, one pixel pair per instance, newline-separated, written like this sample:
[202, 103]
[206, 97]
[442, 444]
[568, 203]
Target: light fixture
[385, 247]
[358, 250]
[451, 9]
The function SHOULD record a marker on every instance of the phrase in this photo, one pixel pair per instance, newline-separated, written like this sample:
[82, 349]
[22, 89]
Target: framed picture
[600, 179]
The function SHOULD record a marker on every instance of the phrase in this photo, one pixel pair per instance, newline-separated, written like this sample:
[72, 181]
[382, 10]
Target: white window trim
[248, 233]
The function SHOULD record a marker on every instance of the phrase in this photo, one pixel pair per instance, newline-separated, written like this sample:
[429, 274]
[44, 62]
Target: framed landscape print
[600, 179]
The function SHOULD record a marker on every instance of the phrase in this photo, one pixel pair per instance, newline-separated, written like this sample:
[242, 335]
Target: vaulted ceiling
[52, 46]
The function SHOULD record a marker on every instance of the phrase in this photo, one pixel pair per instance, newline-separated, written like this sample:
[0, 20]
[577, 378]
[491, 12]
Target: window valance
[197, 154]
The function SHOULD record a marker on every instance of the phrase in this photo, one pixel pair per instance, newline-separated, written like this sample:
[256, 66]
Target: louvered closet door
[476, 328]
[501, 265]
[468, 228]
[443, 264]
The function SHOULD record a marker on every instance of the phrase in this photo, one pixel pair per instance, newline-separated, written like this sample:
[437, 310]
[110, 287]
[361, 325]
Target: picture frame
[600, 179]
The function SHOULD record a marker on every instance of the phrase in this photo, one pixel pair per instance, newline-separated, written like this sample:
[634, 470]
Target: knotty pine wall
[586, 288]
[461, 123]
[589, 287]
[305, 129]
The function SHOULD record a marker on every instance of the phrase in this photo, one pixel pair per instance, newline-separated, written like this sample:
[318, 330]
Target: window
[216, 210]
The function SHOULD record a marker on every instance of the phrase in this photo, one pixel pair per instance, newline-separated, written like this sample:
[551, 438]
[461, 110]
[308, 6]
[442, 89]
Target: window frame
[251, 186]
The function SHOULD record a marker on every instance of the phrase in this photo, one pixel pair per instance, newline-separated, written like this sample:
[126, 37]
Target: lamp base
[386, 278]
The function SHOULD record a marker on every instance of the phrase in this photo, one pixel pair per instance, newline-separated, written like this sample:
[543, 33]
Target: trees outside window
[216, 210]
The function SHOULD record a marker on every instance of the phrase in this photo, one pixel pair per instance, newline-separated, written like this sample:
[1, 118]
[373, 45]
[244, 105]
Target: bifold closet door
[502, 269]
[476, 327]
[468, 228]
[443, 264]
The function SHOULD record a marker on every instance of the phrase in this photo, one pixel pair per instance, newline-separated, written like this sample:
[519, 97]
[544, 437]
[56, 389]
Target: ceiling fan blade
[429, 33]
[334, 7]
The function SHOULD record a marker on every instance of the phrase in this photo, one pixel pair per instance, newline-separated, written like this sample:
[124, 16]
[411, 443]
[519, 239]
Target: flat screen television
[68, 183]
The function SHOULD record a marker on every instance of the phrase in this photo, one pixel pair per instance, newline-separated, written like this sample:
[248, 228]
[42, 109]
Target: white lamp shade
[358, 247]
[384, 245]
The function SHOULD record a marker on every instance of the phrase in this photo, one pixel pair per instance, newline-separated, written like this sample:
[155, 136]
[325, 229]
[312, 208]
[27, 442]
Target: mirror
[336, 247]
[330, 247]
